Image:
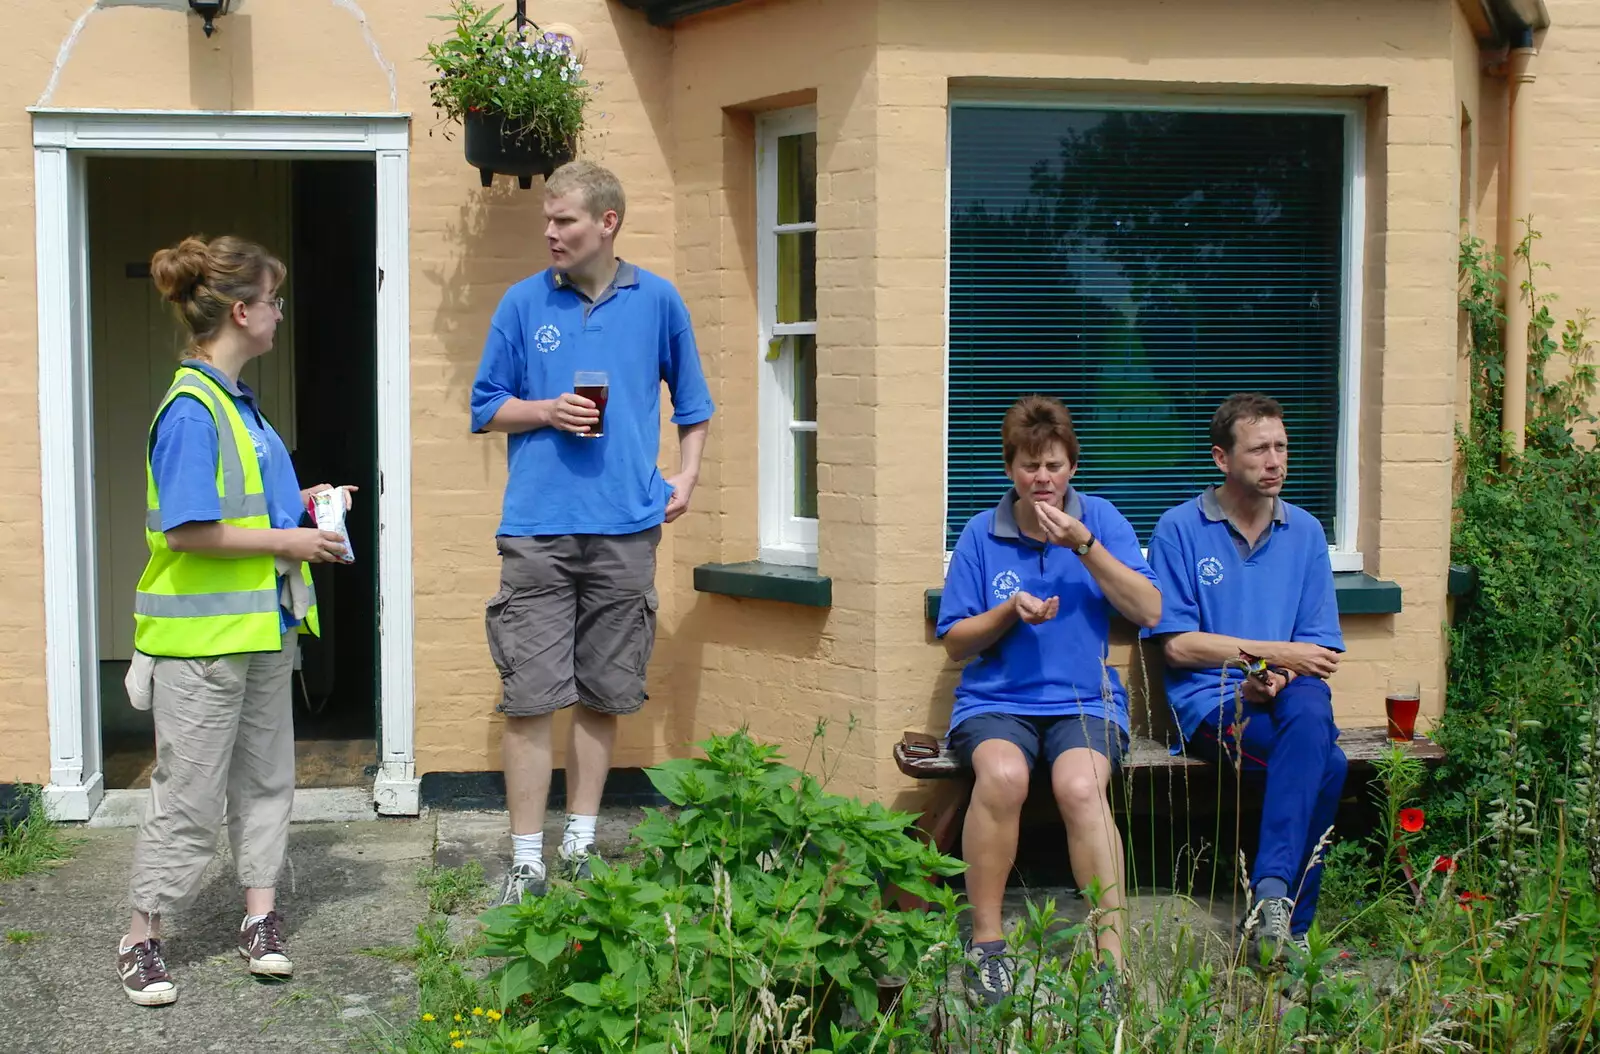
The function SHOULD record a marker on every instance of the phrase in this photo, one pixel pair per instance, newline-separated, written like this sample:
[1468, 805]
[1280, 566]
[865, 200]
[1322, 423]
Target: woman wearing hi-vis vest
[227, 588]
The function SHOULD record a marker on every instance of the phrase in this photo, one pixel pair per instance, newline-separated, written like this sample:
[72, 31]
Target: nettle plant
[495, 65]
[760, 909]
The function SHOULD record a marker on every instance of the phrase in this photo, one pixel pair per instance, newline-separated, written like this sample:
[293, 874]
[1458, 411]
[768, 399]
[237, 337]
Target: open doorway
[318, 386]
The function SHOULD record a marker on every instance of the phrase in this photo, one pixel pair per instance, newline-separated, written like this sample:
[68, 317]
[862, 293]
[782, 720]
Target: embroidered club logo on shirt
[547, 339]
[1005, 583]
[1210, 571]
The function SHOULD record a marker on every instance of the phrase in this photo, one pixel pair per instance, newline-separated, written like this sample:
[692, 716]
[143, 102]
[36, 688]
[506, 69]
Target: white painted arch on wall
[62, 141]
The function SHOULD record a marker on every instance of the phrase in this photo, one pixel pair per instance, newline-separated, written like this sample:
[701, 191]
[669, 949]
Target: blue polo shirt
[1213, 581]
[183, 459]
[1055, 668]
[544, 331]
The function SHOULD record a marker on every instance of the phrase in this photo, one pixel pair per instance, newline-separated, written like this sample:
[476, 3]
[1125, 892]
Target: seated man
[1242, 570]
[1028, 597]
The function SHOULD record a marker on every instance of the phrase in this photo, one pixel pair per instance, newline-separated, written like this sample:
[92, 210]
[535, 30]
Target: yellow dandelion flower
[455, 1033]
[427, 1017]
[494, 1015]
[458, 1044]
[458, 1019]
[477, 1011]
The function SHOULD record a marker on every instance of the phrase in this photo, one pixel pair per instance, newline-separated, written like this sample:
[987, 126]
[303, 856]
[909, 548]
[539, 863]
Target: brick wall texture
[675, 117]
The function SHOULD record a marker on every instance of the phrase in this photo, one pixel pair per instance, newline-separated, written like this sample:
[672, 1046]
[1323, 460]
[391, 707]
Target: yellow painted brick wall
[1400, 57]
[34, 30]
[1565, 181]
[881, 262]
[468, 244]
[675, 119]
[779, 667]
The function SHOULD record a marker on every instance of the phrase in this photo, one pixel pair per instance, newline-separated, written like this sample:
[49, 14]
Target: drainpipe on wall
[1519, 146]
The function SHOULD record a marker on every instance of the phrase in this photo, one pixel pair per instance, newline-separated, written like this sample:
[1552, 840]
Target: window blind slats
[1141, 266]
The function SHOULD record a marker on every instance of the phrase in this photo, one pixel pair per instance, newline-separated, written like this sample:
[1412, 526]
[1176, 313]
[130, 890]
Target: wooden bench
[941, 823]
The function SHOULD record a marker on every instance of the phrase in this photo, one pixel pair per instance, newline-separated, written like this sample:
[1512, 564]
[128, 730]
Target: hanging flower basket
[517, 90]
[495, 145]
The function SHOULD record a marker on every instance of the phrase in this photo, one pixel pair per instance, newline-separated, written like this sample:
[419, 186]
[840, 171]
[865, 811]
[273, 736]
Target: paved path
[354, 886]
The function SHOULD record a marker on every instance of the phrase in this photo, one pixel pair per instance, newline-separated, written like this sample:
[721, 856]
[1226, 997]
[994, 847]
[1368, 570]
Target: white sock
[579, 835]
[250, 920]
[528, 849]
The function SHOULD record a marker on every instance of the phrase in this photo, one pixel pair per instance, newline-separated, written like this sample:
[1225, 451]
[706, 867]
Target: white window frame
[785, 537]
[1343, 548]
[63, 140]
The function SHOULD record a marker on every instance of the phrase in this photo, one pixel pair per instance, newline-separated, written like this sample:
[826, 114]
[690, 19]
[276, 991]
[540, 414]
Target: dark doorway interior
[319, 386]
[335, 291]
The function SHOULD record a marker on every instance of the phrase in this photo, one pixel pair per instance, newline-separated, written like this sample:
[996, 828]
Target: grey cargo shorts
[574, 621]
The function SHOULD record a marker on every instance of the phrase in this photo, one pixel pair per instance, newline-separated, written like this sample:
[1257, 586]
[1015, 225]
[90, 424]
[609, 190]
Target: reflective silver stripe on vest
[235, 503]
[232, 509]
[205, 605]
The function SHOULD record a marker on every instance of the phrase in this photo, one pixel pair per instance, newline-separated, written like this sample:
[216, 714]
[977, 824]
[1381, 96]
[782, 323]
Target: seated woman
[1030, 590]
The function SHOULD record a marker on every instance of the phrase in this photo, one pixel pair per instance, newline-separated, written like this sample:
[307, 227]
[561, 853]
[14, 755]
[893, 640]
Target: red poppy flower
[1444, 865]
[1467, 897]
[1411, 820]
[577, 946]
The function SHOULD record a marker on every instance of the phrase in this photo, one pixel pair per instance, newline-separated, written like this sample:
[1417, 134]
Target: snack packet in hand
[327, 507]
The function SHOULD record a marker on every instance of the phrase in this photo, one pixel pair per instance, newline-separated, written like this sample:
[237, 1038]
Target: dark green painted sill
[1358, 593]
[755, 580]
[1361, 594]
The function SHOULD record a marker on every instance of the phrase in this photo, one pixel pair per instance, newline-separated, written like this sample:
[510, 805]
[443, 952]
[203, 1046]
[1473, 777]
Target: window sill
[757, 580]
[1357, 593]
[1361, 594]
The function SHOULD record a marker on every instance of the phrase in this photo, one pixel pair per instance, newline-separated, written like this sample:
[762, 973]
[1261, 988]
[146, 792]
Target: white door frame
[62, 140]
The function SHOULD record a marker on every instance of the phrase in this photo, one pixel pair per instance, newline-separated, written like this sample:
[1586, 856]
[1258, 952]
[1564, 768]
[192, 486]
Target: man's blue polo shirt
[1213, 581]
[543, 332]
[1058, 667]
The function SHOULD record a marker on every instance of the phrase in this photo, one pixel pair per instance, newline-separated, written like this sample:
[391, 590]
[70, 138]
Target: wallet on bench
[920, 745]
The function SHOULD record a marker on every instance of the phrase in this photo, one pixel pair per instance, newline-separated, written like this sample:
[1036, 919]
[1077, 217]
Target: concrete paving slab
[352, 886]
[125, 808]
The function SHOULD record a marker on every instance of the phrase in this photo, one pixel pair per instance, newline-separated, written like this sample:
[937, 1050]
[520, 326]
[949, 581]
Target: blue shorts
[1035, 736]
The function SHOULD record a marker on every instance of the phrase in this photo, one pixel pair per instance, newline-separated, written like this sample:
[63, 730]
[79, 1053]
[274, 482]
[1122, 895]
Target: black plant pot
[494, 147]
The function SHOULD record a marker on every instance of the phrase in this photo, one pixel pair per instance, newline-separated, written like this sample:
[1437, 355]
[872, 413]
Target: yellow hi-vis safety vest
[193, 606]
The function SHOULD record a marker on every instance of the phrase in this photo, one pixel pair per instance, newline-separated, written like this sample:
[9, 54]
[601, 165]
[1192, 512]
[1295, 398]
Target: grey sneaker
[261, 945]
[522, 880]
[1267, 931]
[990, 974]
[144, 974]
[576, 867]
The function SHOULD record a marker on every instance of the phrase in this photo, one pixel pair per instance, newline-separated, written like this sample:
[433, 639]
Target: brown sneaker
[262, 944]
[144, 974]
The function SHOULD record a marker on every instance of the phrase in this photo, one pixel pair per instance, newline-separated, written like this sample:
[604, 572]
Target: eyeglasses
[276, 302]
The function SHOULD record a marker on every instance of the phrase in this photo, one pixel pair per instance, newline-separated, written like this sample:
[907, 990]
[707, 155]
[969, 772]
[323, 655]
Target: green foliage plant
[1521, 715]
[489, 64]
[759, 909]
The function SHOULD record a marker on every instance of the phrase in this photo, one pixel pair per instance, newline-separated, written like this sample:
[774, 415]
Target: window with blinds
[1142, 265]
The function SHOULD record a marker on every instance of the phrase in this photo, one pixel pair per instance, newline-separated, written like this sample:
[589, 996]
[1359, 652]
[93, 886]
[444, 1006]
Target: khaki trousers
[224, 750]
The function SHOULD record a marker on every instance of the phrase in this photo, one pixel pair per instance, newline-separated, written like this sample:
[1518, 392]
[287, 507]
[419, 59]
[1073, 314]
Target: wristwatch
[1083, 550]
